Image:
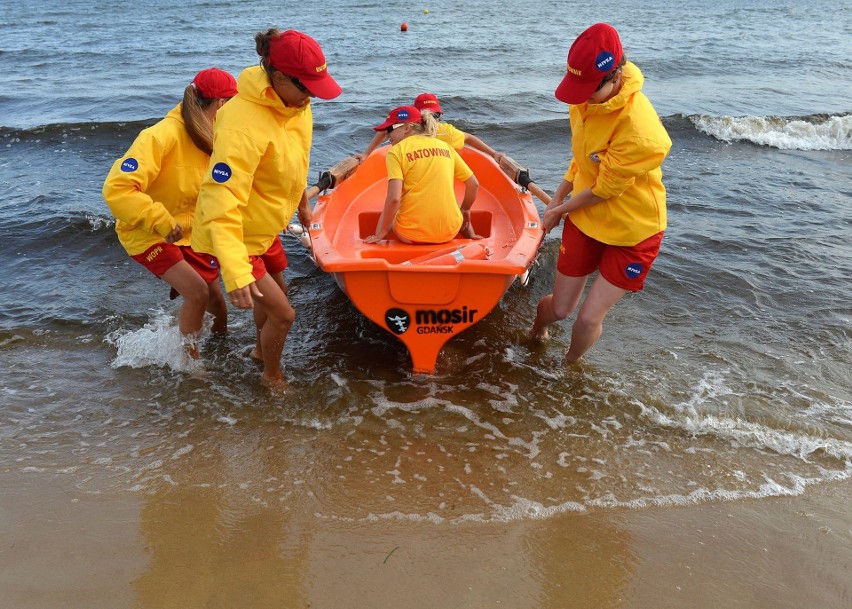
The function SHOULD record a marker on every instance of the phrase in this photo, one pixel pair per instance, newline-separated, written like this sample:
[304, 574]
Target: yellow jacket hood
[256, 176]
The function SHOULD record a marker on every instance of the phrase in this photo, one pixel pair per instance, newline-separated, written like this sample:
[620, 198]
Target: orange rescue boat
[425, 294]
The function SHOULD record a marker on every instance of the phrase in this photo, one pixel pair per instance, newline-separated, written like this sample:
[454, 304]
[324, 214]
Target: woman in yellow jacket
[257, 177]
[616, 212]
[427, 103]
[421, 206]
[152, 192]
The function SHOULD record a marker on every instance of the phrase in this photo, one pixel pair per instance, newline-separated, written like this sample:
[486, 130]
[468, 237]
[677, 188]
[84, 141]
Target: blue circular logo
[605, 61]
[129, 164]
[633, 270]
[402, 115]
[221, 172]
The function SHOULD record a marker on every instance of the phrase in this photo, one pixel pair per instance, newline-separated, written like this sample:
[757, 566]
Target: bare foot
[256, 354]
[538, 337]
[276, 385]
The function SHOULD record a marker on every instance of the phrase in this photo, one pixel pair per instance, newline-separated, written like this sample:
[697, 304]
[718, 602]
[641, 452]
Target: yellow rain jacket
[256, 176]
[618, 147]
[154, 186]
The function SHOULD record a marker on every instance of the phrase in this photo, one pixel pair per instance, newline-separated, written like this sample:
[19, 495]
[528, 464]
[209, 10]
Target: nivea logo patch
[402, 115]
[633, 270]
[129, 164]
[221, 172]
[604, 61]
[397, 320]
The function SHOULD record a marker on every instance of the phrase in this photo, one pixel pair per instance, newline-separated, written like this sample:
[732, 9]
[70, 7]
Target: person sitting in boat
[421, 205]
[152, 192]
[428, 104]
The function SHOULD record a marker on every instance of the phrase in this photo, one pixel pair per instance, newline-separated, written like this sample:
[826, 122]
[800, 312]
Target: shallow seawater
[699, 456]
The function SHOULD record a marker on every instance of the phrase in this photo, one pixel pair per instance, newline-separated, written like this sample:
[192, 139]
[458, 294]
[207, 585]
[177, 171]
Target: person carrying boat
[421, 206]
[428, 104]
[616, 212]
[257, 176]
[152, 192]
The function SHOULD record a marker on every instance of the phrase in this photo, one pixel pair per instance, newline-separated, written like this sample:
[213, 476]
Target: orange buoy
[403, 27]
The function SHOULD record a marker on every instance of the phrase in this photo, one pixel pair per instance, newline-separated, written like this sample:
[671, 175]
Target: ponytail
[195, 119]
[428, 124]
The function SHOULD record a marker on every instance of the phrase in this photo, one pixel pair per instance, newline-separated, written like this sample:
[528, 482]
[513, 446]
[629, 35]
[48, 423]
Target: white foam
[182, 451]
[158, 343]
[832, 133]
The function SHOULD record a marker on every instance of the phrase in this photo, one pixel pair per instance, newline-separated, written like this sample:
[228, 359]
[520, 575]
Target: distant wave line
[816, 132]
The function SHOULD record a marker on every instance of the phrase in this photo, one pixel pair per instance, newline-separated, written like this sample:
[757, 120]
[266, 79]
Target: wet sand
[196, 547]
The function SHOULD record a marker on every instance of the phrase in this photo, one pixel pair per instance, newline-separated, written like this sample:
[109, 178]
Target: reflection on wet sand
[212, 544]
[224, 529]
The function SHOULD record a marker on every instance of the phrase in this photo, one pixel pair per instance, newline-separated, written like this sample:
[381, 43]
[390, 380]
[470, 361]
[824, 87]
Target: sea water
[726, 378]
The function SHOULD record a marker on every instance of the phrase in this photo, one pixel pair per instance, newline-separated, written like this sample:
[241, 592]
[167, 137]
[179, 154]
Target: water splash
[158, 343]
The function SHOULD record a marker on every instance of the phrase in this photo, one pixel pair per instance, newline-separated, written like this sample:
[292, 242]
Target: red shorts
[623, 266]
[160, 257]
[273, 260]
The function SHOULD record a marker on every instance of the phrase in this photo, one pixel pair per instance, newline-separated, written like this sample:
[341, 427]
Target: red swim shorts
[160, 257]
[623, 266]
[273, 260]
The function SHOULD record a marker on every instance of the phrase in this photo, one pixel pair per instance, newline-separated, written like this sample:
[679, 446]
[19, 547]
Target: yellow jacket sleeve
[127, 182]
[626, 160]
[224, 195]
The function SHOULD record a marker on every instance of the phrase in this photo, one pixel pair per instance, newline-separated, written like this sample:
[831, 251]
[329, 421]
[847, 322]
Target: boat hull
[425, 294]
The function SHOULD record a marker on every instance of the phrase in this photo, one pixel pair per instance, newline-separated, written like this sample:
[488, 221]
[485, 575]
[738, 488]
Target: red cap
[427, 101]
[594, 54]
[214, 83]
[300, 56]
[403, 114]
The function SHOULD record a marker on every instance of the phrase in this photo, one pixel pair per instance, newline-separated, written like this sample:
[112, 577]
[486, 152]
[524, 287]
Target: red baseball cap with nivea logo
[427, 101]
[214, 83]
[403, 114]
[594, 54]
[300, 56]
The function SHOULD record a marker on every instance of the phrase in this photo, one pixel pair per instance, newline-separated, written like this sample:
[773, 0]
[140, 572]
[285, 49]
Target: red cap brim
[574, 91]
[324, 87]
[386, 124]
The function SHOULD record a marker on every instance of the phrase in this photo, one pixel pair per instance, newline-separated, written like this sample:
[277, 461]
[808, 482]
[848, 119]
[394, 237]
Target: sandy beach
[61, 549]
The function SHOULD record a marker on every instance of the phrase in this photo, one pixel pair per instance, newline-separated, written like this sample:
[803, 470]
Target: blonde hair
[428, 124]
[196, 120]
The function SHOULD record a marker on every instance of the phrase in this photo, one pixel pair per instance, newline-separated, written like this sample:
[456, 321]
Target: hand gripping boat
[425, 294]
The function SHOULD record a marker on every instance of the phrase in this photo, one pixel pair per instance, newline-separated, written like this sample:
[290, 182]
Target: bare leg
[195, 292]
[557, 305]
[260, 317]
[588, 326]
[279, 319]
[216, 305]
